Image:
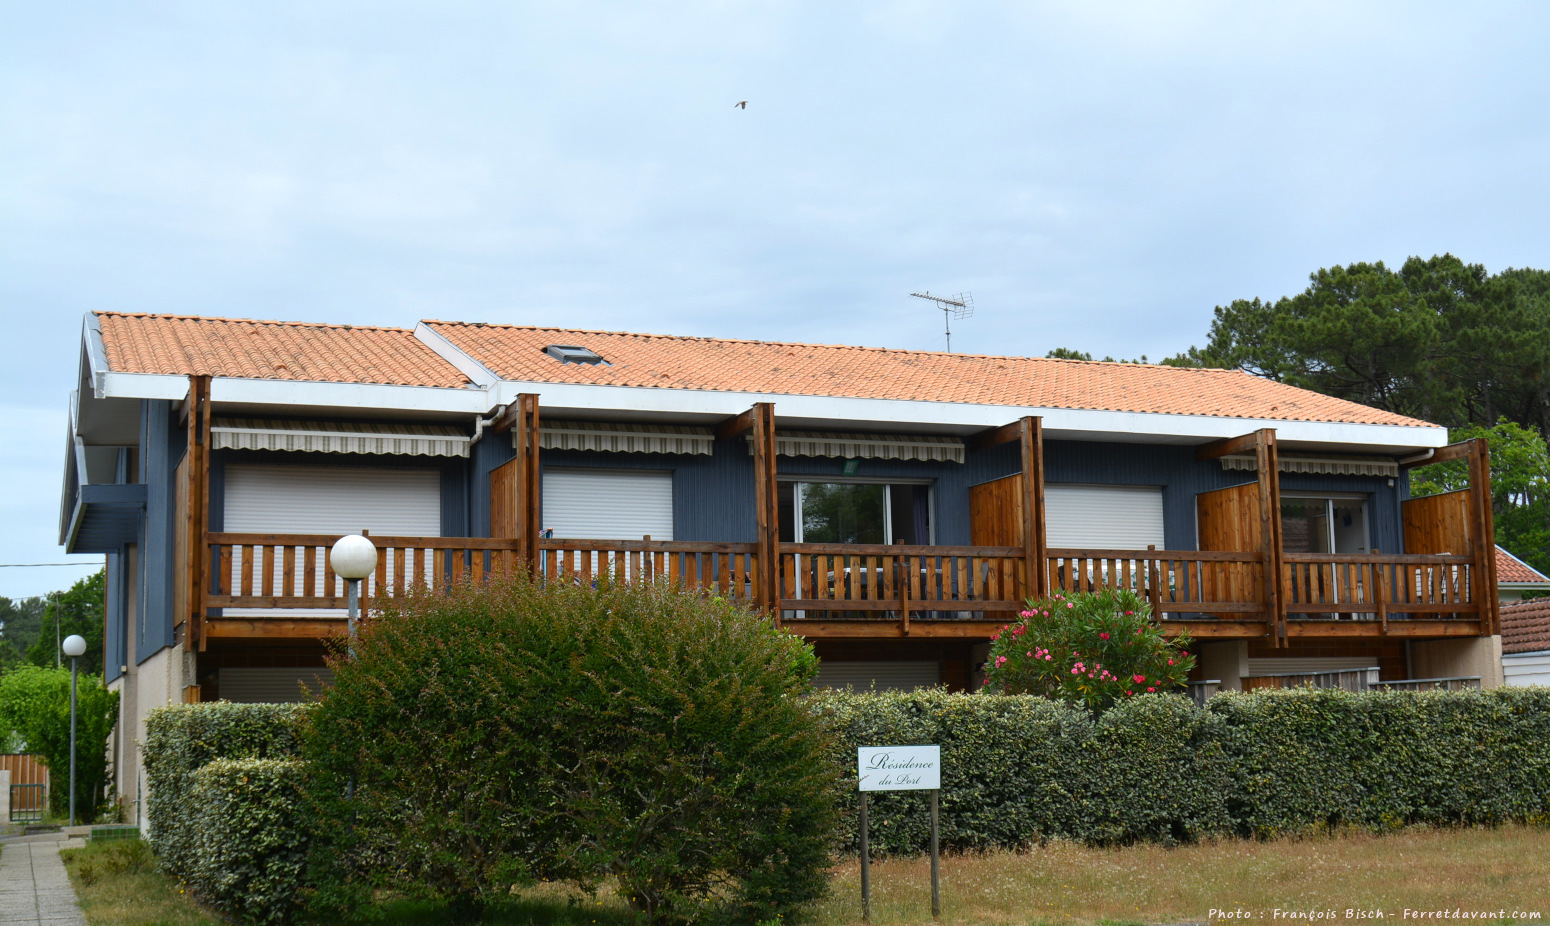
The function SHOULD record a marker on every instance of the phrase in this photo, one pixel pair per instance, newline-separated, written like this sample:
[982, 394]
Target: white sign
[899, 768]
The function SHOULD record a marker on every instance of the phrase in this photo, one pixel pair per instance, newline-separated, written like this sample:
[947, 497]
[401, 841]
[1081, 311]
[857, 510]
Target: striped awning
[422, 440]
[854, 446]
[624, 438]
[1337, 466]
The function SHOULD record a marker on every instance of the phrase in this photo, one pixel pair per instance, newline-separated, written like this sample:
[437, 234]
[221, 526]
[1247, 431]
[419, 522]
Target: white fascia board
[95, 353]
[142, 386]
[470, 400]
[1058, 422]
[450, 352]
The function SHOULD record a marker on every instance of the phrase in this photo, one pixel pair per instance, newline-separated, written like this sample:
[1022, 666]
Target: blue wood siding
[161, 448]
[713, 496]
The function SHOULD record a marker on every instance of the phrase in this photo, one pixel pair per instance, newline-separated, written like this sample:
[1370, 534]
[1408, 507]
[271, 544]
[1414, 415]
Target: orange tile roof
[662, 361]
[1526, 626]
[1511, 569]
[299, 351]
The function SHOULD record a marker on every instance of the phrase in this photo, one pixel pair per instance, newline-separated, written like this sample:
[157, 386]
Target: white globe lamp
[353, 558]
[74, 647]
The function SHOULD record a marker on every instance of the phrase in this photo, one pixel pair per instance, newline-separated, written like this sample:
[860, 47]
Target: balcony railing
[250, 574]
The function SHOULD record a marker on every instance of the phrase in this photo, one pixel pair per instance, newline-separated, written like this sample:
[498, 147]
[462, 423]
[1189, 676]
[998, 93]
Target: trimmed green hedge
[1019, 770]
[181, 739]
[252, 843]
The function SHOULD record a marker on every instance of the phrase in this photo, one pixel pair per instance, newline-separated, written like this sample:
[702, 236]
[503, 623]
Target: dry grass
[1475, 869]
[119, 884]
[1507, 868]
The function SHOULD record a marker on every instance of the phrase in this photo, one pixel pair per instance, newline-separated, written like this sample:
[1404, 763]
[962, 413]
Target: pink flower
[1103, 636]
[1151, 689]
[1048, 657]
[1027, 614]
[1170, 662]
[1138, 679]
[1128, 613]
[1030, 654]
[1075, 671]
[1070, 605]
[1000, 661]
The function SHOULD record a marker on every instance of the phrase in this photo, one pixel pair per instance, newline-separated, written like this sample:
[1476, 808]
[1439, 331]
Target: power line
[31, 565]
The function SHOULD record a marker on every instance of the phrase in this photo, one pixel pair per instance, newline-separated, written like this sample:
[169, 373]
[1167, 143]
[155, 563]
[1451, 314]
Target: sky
[1098, 175]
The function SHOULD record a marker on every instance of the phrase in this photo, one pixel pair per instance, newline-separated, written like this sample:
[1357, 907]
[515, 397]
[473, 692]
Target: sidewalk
[34, 889]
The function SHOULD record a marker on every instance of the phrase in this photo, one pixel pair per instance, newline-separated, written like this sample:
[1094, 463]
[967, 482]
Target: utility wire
[30, 565]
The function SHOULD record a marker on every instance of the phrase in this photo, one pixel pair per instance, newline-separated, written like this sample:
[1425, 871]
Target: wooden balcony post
[1035, 549]
[198, 505]
[767, 508]
[1267, 462]
[1483, 586]
[528, 487]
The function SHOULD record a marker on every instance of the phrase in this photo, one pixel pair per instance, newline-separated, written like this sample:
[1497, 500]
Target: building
[1526, 642]
[895, 507]
[1514, 577]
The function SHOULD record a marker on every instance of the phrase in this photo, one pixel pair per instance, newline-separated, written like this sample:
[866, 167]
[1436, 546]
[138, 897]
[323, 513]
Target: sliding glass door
[855, 513]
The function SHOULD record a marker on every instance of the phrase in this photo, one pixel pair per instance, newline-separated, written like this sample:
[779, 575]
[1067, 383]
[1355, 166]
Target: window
[855, 512]
[1324, 524]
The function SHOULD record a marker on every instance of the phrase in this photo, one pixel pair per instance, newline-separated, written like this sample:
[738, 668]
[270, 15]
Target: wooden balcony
[281, 585]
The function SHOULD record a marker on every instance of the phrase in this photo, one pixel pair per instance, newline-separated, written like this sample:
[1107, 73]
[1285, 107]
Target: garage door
[886, 676]
[608, 505]
[1104, 517]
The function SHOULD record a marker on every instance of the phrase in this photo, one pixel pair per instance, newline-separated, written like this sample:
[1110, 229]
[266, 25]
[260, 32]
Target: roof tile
[662, 361]
[1526, 626]
[1511, 569]
[298, 351]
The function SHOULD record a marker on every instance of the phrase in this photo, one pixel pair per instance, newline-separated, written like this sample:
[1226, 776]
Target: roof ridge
[179, 316]
[859, 347]
[1515, 558]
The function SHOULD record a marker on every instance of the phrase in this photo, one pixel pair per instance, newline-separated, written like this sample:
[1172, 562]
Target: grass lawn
[1471, 869]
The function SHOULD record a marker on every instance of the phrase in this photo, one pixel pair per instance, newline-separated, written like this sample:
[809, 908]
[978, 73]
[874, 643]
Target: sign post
[898, 768]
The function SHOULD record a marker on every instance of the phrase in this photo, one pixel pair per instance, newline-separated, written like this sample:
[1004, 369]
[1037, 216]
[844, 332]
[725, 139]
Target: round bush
[500, 735]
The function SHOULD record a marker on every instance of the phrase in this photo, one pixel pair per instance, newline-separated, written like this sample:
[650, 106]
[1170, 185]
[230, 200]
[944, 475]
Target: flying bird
[743, 104]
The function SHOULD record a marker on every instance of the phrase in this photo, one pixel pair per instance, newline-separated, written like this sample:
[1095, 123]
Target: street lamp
[74, 647]
[353, 558]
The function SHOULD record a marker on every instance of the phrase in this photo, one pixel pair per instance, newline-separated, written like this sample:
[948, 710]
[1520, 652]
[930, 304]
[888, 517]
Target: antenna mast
[959, 306]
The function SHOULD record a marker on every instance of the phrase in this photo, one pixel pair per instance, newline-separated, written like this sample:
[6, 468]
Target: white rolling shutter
[271, 685]
[1104, 517]
[333, 500]
[887, 676]
[608, 505]
[1310, 665]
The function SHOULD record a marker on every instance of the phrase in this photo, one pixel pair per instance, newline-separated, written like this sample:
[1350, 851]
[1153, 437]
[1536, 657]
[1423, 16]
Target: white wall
[1527, 668]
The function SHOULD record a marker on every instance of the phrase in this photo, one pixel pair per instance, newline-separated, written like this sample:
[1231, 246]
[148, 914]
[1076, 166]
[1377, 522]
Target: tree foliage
[1437, 339]
[21, 622]
[77, 610]
[35, 702]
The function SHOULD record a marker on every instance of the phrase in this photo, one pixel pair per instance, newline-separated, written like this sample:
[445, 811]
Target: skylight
[570, 353]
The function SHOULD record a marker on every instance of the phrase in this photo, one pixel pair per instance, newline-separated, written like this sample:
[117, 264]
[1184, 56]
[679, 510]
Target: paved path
[34, 889]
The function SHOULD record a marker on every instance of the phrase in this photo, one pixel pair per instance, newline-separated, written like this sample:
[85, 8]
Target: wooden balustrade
[828, 578]
[1378, 586]
[293, 570]
[728, 569]
[838, 582]
[1174, 581]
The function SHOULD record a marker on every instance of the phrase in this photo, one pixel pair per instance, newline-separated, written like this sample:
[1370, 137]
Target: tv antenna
[958, 306]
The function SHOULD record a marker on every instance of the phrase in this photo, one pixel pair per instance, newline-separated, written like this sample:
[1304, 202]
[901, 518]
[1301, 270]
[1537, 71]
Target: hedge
[252, 843]
[1017, 771]
[181, 739]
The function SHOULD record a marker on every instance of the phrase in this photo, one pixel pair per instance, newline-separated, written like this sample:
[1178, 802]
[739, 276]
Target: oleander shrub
[181, 739]
[251, 844]
[496, 736]
[1091, 648]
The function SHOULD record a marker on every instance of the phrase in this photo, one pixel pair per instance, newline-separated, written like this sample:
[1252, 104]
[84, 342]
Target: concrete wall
[1480, 656]
[1227, 661]
[155, 682]
[5, 796]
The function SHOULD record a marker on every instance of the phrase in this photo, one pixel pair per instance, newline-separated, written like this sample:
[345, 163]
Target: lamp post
[353, 558]
[74, 647]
